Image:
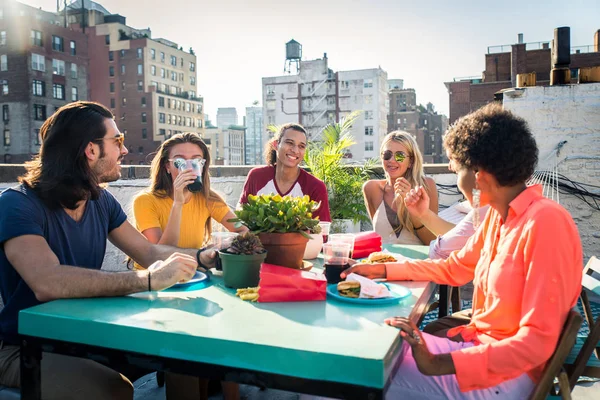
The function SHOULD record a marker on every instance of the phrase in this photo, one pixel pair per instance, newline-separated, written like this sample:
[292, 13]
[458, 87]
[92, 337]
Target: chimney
[597, 41]
[520, 36]
[561, 56]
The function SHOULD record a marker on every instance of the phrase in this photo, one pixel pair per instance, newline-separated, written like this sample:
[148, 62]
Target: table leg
[31, 382]
[443, 302]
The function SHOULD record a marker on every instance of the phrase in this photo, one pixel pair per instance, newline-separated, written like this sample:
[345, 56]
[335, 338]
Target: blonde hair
[414, 174]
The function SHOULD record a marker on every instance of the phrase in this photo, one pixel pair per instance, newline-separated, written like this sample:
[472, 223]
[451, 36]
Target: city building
[226, 117]
[254, 139]
[395, 84]
[423, 123]
[43, 65]
[149, 84]
[213, 137]
[504, 63]
[317, 96]
[233, 145]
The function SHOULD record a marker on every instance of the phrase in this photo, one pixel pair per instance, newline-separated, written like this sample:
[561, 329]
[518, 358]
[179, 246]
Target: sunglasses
[120, 139]
[398, 156]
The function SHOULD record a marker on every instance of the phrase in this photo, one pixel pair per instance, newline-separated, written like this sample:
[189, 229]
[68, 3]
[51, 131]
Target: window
[39, 112]
[123, 53]
[36, 38]
[38, 62]
[111, 71]
[368, 114]
[153, 70]
[123, 101]
[123, 85]
[39, 88]
[174, 61]
[111, 56]
[161, 118]
[187, 107]
[140, 85]
[181, 76]
[144, 117]
[143, 102]
[153, 54]
[144, 133]
[58, 67]
[270, 104]
[113, 103]
[192, 94]
[141, 151]
[368, 131]
[368, 146]
[4, 84]
[192, 66]
[107, 39]
[36, 135]
[73, 48]
[7, 137]
[3, 38]
[140, 53]
[162, 73]
[74, 94]
[161, 101]
[162, 56]
[3, 62]
[140, 69]
[5, 113]
[181, 61]
[174, 76]
[57, 43]
[73, 70]
[58, 91]
[192, 80]
[161, 132]
[199, 108]
[122, 69]
[368, 84]
[368, 99]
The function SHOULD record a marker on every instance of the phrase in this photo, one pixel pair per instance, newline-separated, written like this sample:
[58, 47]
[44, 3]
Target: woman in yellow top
[168, 213]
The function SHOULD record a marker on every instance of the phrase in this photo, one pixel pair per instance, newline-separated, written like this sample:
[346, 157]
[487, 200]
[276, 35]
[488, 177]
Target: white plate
[198, 277]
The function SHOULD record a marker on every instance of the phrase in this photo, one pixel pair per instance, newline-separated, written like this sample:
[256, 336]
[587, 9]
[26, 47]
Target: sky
[426, 43]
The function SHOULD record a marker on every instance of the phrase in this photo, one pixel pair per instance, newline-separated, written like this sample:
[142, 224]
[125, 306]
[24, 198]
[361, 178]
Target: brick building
[149, 84]
[43, 65]
[503, 63]
[423, 123]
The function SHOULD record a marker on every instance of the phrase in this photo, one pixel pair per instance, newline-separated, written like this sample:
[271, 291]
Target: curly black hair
[496, 141]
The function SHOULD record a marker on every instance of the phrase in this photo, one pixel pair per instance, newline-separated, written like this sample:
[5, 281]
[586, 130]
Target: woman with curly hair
[525, 260]
[384, 199]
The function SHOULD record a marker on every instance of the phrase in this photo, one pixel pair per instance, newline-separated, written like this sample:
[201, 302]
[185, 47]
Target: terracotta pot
[285, 249]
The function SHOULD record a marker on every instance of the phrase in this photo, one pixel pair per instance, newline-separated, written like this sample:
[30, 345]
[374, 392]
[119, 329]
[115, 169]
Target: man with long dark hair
[53, 231]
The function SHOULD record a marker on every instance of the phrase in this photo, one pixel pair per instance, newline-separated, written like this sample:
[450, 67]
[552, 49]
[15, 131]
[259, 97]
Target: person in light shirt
[525, 260]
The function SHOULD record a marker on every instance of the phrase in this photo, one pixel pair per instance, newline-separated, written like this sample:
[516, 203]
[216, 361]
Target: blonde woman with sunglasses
[384, 199]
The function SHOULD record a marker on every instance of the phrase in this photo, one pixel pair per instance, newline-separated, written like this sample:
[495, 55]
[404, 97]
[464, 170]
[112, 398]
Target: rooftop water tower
[293, 55]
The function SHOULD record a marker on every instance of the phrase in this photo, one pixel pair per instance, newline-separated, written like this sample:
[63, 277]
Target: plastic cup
[347, 238]
[325, 230]
[336, 260]
[222, 240]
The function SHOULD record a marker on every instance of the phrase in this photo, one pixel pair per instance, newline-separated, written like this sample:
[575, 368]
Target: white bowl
[313, 246]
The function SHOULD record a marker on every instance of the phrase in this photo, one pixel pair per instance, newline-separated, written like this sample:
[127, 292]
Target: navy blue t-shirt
[80, 244]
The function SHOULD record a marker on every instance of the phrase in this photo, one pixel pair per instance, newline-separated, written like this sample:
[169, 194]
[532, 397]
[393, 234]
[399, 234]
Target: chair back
[553, 368]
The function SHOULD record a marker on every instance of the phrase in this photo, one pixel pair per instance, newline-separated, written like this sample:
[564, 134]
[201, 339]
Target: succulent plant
[246, 243]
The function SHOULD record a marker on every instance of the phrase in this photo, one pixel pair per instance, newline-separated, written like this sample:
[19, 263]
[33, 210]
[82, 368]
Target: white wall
[571, 113]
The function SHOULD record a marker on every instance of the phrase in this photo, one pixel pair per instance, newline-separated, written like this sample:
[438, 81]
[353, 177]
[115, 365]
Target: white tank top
[384, 228]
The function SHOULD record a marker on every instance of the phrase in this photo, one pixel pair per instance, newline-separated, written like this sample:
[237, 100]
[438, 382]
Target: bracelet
[198, 257]
[421, 227]
[149, 280]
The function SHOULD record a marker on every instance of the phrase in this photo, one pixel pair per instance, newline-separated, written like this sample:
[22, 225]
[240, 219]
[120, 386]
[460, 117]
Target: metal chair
[554, 368]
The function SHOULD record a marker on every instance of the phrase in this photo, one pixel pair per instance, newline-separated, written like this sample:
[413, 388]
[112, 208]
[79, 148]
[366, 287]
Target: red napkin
[278, 284]
[366, 243]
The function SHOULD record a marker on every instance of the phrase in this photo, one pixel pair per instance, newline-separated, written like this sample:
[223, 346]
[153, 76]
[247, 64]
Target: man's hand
[371, 271]
[208, 258]
[417, 201]
[178, 267]
[427, 363]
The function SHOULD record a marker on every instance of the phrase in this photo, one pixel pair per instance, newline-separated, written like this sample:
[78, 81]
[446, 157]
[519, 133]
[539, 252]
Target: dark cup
[333, 271]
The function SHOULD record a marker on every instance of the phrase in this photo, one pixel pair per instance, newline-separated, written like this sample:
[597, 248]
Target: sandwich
[349, 289]
[379, 257]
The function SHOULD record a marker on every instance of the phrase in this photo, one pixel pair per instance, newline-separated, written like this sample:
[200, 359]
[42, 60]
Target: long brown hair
[414, 174]
[60, 174]
[270, 152]
[161, 182]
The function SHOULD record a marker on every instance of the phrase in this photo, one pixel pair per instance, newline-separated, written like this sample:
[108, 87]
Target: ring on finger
[415, 336]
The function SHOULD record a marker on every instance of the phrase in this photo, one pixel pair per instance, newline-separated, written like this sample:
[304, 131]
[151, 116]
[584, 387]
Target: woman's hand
[180, 183]
[427, 363]
[401, 188]
[417, 201]
[371, 271]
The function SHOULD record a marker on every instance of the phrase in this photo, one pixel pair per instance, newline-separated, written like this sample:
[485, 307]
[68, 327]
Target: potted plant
[326, 160]
[282, 225]
[241, 261]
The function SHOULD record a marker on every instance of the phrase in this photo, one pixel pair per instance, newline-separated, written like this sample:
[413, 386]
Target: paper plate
[198, 277]
[398, 293]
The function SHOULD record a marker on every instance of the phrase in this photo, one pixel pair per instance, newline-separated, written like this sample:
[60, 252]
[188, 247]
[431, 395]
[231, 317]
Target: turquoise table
[325, 348]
